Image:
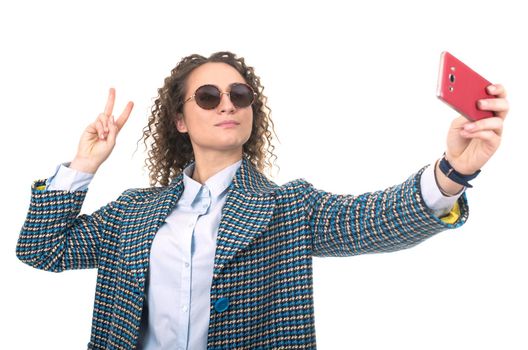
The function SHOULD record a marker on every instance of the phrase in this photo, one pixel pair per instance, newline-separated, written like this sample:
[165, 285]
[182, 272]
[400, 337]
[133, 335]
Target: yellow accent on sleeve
[453, 215]
[40, 188]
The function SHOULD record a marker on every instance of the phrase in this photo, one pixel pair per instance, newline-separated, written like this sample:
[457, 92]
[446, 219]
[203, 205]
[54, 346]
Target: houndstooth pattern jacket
[261, 294]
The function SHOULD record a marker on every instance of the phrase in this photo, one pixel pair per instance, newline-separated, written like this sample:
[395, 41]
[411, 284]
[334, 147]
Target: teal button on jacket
[261, 294]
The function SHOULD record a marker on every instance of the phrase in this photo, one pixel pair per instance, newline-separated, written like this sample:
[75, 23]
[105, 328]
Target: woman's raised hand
[98, 139]
[470, 145]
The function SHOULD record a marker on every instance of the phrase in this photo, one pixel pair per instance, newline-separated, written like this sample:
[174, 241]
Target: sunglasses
[209, 96]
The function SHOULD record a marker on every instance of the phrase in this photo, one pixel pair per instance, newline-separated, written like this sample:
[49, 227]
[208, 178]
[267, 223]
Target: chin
[232, 142]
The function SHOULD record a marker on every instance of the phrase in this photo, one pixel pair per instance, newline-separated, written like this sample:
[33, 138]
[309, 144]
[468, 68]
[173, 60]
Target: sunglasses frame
[222, 93]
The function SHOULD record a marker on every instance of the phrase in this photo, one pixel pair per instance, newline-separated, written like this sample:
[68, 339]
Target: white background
[352, 89]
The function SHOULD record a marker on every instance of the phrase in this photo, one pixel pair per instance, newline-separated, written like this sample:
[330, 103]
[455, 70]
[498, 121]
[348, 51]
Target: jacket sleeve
[384, 221]
[55, 237]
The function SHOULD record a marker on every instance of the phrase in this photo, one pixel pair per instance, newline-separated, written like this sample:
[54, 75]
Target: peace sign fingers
[98, 139]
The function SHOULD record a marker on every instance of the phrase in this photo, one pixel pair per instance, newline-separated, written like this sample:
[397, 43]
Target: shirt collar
[216, 184]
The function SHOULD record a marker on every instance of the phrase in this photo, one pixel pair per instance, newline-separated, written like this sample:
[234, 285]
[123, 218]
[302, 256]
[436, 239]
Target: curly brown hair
[171, 151]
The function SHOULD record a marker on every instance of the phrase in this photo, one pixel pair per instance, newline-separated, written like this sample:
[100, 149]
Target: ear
[180, 123]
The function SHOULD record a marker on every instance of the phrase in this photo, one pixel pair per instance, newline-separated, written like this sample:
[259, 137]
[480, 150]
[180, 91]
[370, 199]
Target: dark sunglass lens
[241, 95]
[207, 96]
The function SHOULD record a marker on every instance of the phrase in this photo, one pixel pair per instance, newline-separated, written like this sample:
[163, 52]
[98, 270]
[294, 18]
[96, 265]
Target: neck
[208, 164]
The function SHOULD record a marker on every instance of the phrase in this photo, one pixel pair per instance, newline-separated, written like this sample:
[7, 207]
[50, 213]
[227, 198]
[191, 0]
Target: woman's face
[225, 128]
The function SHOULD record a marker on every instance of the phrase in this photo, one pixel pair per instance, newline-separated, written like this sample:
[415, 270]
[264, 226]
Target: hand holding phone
[461, 87]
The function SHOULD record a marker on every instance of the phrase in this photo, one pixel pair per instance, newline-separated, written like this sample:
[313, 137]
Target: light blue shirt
[183, 250]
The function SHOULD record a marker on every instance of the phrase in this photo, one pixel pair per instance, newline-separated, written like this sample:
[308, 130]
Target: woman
[218, 256]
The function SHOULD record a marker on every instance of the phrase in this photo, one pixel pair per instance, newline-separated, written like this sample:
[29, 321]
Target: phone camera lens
[452, 78]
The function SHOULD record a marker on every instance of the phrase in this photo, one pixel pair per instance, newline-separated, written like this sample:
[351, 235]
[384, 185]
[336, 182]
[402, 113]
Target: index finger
[110, 102]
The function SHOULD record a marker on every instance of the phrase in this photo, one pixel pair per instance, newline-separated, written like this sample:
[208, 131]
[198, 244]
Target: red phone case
[461, 87]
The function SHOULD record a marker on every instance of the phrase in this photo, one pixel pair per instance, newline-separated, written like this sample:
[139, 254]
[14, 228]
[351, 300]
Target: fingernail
[491, 88]
[482, 103]
[469, 127]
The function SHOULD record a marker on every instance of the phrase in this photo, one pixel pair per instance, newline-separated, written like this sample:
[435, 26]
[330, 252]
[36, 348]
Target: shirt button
[191, 224]
[186, 264]
[185, 308]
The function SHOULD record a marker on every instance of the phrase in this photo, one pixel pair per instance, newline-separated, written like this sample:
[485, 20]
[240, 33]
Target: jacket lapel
[248, 209]
[142, 221]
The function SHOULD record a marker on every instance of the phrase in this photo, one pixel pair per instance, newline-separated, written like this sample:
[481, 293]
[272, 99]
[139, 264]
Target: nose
[226, 106]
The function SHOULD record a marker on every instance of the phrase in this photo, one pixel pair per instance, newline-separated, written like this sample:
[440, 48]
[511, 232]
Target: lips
[228, 123]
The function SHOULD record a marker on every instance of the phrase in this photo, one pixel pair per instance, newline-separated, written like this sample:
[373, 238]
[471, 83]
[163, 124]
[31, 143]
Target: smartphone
[461, 87]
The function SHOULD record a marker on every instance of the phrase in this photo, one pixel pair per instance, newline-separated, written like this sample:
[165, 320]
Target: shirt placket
[185, 281]
[199, 207]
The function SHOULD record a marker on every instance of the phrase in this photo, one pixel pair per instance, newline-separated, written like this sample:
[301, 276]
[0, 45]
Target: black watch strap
[454, 175]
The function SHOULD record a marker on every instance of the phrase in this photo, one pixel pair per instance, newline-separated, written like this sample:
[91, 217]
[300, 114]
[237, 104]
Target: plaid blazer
[261, 294]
